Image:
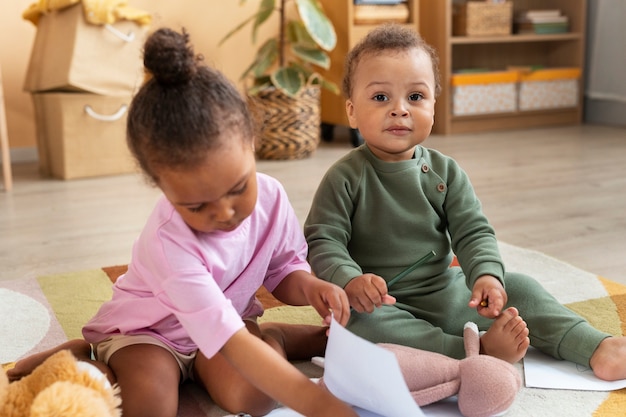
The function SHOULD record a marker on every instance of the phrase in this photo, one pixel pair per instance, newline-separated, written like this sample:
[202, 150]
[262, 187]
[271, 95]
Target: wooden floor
[559, 190]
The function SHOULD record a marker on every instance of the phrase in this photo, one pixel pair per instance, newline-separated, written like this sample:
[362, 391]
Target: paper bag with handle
[70, 54]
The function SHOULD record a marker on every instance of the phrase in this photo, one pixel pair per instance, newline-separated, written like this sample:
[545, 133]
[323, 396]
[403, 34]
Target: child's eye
[416, 97]
[196, 209]
[380, 97]
[240, 191]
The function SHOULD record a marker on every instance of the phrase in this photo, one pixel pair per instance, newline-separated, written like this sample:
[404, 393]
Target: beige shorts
[105, 349]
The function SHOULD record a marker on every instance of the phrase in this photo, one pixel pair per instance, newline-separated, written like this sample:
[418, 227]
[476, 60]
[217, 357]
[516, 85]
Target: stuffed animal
[60, 386]
[485, 386]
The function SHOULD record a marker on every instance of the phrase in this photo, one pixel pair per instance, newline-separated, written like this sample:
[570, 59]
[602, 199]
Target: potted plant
[284, 78]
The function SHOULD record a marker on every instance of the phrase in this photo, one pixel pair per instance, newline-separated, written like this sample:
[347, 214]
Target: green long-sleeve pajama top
[372, 216]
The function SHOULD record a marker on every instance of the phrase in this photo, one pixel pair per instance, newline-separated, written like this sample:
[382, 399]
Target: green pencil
[411, 268]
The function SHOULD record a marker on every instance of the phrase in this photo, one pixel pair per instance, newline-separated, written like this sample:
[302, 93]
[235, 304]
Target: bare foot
[507, 338]
[80, 348]
[295, 341]
[608, 362]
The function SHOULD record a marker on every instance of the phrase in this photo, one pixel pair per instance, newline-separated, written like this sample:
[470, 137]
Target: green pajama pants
[435, 321]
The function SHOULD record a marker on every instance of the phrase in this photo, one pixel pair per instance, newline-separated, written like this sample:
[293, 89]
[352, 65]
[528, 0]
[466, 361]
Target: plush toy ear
[471, 339]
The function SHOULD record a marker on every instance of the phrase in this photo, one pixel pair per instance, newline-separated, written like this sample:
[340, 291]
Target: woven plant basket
[289, 128]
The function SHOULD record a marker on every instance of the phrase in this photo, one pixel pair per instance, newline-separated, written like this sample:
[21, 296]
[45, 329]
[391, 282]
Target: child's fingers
[496, 301]
[490, 305]
[477, 300]
[389, 299]
[379, 294]
[338, 304]
[342, 317]
[341, 314]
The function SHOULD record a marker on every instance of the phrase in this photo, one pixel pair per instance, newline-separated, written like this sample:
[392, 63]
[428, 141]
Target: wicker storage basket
[289, 128]
[481, 18]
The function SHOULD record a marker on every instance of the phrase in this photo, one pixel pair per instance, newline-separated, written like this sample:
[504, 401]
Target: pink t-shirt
[192, 289]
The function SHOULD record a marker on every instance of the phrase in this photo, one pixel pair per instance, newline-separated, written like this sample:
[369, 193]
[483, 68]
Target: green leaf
[262, 80]
[317, 24]
[297, 33]
[266, 57]
[289, 80]
[312, 55]
[265, 11]
[312, 77]
[329, 85]
[260, 84]
[236, 29]
[307, 73]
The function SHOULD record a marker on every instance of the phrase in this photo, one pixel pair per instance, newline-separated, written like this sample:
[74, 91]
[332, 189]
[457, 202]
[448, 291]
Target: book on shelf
[540, 16]
[541, 28]
[378, 13]
[541, 13]
[543, 19]
[379, 1]
[541, 22]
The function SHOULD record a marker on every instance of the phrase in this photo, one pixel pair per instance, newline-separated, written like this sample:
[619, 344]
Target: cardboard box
[483, 18]
[549, 88]
[70, 54]
[484, 92]
[82, 135]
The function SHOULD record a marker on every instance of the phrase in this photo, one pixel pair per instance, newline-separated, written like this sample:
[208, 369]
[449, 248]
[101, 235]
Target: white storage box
[549, 88]
[484, 92]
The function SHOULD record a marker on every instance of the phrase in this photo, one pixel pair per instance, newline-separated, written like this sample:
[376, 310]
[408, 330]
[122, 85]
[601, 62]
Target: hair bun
[169, 57]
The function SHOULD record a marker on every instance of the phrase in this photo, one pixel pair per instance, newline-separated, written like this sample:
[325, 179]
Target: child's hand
[488, 296]
[367, 292]
[300, 288]
[329, 298]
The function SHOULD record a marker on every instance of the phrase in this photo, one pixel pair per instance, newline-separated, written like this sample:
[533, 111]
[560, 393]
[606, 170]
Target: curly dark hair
[184, 109]
[387, 37]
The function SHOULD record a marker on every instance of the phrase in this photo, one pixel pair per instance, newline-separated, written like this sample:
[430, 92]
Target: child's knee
[246, 399]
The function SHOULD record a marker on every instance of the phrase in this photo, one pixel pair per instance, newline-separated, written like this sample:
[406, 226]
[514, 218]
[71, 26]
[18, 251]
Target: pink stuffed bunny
[485, 386]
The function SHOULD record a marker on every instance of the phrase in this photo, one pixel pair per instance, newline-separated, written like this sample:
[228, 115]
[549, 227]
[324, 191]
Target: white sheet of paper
[443, 408]
[286, 412]
[365, 375]
[543, 371]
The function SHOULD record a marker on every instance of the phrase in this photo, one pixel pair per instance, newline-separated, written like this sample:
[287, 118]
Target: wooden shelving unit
[341, 13]
[498, 52]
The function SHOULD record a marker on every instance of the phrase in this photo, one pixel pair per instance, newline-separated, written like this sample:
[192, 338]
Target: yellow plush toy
[60, 386]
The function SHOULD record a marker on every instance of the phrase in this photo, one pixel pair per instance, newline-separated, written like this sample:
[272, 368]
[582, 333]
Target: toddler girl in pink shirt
[187, 308]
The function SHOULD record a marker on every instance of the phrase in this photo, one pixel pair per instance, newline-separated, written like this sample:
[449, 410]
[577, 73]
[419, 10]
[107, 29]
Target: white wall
[605, 95]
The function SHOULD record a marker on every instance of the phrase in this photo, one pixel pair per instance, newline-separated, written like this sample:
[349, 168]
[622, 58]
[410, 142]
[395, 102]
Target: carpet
[42, 312]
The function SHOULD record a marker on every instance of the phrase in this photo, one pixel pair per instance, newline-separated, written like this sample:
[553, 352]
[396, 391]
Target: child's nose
[223, 212]
[399, 110]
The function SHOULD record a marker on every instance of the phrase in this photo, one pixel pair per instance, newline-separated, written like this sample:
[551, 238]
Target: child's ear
[350, 114]
[433, 123]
